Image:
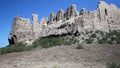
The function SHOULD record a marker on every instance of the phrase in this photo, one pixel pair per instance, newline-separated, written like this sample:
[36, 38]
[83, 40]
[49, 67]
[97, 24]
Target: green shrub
[102, 33]
[102, 41]
[42, 42]
[114, 65]
[53, 41]
[97, 31]
[110, 38]
[93, 35]
[13, 48]
[89, 41]
[18, 47]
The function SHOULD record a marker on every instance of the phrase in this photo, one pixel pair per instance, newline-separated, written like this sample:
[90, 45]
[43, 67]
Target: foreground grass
[15, 48]
[41, 42]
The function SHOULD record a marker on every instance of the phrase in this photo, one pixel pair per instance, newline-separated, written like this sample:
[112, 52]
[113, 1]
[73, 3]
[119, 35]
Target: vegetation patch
[89, 40]
[114, 65]
[18, 47]
[113, 37]
[110, 38]
[41, 42]
[93, 35]
[54, 41]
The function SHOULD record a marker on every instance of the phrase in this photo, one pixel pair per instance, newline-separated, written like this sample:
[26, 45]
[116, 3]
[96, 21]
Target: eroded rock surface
[105, 18]
[21, 31]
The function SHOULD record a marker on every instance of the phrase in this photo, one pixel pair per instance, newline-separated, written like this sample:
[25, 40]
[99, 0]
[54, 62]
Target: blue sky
[24, 8]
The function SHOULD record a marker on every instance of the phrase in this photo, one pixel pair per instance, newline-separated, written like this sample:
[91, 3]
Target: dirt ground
[92, 56]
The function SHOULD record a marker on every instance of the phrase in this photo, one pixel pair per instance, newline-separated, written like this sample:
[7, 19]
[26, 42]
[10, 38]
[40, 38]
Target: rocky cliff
[70, 22]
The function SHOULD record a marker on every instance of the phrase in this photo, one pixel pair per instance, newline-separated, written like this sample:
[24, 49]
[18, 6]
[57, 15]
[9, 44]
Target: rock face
[35, 26]
[110, 14]
[60, 15]
[105, 18]
[52, 18]
[43, 24]
[71, 11]
[21, 31]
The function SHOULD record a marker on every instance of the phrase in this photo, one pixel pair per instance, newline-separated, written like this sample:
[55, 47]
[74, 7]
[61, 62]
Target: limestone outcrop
[35, 26]
[71, 11]
[21, 31]
[52, 18]
[105, 18]
[60, 15]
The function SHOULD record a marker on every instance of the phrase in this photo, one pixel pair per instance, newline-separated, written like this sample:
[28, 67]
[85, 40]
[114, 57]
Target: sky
[24, 8]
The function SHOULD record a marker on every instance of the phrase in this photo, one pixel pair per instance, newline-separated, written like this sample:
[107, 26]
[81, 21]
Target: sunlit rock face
[109, 14]
[71, 11]
[60, 15]
[105, 18]
[20, 31]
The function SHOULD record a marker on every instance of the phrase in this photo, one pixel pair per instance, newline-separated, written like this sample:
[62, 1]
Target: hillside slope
[92, 56]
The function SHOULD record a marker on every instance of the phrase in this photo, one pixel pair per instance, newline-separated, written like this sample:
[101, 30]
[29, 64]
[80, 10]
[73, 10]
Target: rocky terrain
[105, 18]
[92, 27]
[92, 56]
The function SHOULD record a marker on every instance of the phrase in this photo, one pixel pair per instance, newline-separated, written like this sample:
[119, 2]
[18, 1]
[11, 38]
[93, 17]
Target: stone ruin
[70, 22]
